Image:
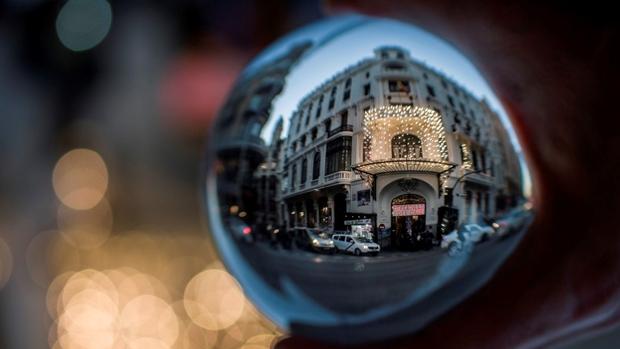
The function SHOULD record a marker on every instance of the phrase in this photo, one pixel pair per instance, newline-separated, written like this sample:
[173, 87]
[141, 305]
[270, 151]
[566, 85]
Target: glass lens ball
[362, 179]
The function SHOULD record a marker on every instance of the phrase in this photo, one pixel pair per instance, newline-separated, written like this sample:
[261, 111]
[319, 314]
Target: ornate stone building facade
[387, 142]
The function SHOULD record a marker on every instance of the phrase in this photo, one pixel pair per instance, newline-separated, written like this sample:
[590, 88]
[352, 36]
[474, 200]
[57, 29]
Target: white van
[356, 245]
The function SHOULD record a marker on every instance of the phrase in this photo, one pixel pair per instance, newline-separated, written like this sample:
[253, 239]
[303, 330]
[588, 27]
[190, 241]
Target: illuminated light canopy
[398, 124]
[403, 165]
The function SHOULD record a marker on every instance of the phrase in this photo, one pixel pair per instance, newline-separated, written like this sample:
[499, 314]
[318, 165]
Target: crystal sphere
[362, 179]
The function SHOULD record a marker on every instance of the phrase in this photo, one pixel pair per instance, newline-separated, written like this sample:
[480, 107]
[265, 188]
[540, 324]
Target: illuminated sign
[408, 210]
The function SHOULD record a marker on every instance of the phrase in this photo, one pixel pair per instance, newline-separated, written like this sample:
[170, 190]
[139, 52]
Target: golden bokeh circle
[80, 179]
[214, 300]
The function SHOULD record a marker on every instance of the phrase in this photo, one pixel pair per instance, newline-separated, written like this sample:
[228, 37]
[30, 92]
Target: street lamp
[449, 191]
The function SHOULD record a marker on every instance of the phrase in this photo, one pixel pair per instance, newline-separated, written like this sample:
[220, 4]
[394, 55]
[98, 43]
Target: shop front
[361, 225]
[408, 218]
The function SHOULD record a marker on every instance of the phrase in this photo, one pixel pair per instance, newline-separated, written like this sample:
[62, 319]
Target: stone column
[287, 216]
[317, 214]
[304, 209]
[474, 206]
[330, 204]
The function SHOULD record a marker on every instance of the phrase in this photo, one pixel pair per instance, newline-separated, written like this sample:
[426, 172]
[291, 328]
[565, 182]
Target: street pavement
[347, 284]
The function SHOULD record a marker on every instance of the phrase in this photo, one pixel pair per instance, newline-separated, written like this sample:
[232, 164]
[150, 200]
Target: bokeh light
[86, 229]
[150, 317]
[213, 300]
[83, 24]
[197, 337]
[48, 254]
[171, 294]
[80, 179]
[6, 263]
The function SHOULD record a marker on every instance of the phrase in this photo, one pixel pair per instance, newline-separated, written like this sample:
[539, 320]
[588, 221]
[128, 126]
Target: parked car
[502, 227]
[511, 222]
[356, 245]
[478, 233]
[240, 230]
[313, 240]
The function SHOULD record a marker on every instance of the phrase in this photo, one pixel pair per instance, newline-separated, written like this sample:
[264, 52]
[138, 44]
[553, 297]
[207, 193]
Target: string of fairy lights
[396, 123]
[467, 162]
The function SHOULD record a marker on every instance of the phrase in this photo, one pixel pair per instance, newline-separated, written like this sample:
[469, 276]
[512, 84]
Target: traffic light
[448, 217]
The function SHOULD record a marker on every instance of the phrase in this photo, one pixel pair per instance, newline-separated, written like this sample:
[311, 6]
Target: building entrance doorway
[408, 219]
[340, 208]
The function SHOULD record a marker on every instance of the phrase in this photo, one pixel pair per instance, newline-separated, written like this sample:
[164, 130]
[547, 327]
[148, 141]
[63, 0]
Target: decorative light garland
[466, 154]
[384, 123]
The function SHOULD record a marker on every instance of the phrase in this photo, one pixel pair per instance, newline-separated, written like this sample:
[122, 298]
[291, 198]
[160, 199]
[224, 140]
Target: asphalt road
[349, 284]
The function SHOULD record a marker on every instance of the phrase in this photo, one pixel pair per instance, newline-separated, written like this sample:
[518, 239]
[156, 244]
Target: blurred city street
[105, 107]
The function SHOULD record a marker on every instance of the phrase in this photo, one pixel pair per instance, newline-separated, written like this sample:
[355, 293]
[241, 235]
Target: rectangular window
[431, 90]
[366, 89]
[346, 95]
[465, 156]
[304, 171]
[338, 155]
[319, 105]
[474, 159]
[451, 101]
[398, 85]
[316, 165]
[331, 104]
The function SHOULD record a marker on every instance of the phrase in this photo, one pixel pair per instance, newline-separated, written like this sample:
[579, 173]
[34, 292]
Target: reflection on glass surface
[363, 179]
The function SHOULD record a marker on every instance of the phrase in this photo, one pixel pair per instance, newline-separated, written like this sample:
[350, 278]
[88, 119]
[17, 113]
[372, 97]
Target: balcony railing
[342, 128]
[480, 177]
[314, 182]
[338, 175]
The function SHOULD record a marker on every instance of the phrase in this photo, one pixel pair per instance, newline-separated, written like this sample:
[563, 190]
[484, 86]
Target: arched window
[406, 145]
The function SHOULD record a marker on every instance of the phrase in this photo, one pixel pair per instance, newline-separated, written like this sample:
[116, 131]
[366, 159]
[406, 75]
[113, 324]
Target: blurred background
[104, 110]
